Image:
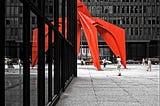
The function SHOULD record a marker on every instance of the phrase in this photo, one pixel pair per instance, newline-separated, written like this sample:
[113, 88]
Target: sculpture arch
[113, 35]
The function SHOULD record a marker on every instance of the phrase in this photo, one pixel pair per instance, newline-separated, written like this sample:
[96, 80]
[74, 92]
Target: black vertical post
[50, 59]
[41, 54]
[64, 55]
[72, 31]
[2, 46]
[26, 54]
[75, 35]
[69, 21]
[69, 37]
[56, 49]
[63, 17]
[63, 45]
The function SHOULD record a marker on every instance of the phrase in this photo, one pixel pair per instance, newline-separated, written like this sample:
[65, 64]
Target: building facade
[14, 25]
[140, 19]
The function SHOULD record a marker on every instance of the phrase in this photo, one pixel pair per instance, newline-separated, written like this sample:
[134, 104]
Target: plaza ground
[136, 87]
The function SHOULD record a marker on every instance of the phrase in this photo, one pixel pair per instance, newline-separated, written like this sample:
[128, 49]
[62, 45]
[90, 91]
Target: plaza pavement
[136, 87]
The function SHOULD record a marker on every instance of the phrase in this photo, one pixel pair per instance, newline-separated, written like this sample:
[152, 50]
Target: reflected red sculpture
[113, 35]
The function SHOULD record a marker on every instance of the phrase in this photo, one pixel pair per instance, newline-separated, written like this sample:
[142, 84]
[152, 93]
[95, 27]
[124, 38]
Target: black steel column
[69, 21]
[75, 36]
[63, 45]
[2, 55]
[72, 30]
[50, 59]
[56, 49]
[41, 54]
[69, 36]
[26, 54]
[63, 17]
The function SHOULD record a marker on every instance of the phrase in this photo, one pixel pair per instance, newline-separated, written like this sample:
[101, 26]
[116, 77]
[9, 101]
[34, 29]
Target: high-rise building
[14, 25]
[140, 19]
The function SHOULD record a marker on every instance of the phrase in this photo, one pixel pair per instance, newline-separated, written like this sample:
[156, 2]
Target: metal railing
[64, 54]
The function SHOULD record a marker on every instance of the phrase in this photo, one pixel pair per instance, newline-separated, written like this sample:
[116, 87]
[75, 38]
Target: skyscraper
[14, 25]
[140, 19]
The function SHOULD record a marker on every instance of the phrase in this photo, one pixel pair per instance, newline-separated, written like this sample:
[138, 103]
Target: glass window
[16, 31]
[158, 20]
[50, 9]
[118, 21]
[153, 21]
[7, 10]
[131, 31]
[8, 31]
[16, 10]
[122, 9]
[149, 31]
[11, 1]
[140, 9]
[123, 20]
[144, 20]
[144, 9]
[136, 9]
[114, 9]
[140, 20]
[127, 20]
[7, 22]
[118, 8]
[114, 21]
[140, 31]
[20, 20]
[153, 9]
[20, 10]
[149, 21]
[99, 9]
[12, 10]
[158, 31]
[131, 20]
[136, 31]
[16, 21]
[136, 20]
[153, 30]
[131, 9]
[127, 9]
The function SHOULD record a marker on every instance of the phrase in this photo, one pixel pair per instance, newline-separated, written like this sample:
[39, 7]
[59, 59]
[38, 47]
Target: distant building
[140, 19]
[14, 25]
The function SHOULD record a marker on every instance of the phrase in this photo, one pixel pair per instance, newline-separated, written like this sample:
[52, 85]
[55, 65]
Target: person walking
[149, 65]
[119, 65]
[143, 62]
[104, 62]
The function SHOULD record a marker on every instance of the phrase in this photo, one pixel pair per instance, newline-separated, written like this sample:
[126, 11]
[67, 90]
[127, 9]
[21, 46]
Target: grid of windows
[137, 16]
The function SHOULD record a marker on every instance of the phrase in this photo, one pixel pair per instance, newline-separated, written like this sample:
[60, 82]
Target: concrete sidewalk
[136, 87]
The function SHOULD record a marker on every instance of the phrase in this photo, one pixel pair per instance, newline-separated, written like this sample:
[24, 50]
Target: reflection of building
[14, 25]
[140, 18]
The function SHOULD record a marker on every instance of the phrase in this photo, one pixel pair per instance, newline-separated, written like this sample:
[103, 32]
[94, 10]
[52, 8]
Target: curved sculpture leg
[118, 35]
[92, 39]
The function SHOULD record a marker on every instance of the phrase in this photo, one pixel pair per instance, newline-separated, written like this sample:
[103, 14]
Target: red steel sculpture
[113, 35]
